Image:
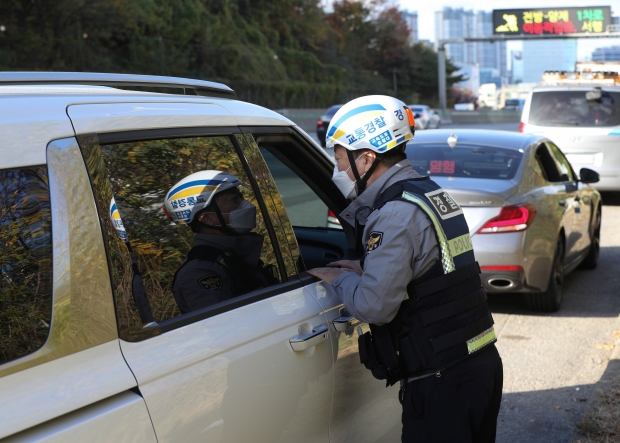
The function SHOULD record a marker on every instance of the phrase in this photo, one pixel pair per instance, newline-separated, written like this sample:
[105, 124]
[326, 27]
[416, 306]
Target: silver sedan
[531, 218]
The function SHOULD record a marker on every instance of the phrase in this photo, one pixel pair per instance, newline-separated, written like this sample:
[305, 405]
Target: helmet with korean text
[375, 122]
[195, 192]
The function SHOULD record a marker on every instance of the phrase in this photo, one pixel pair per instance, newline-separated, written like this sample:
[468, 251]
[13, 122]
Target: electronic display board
[541, 21]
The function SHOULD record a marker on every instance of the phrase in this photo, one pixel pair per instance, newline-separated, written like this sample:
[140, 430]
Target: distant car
[531, 218]
[425, 117]
[323, 123]
[584, 121]
[514, 104]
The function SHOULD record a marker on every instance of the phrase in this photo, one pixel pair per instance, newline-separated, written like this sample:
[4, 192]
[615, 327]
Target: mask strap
[361, 181]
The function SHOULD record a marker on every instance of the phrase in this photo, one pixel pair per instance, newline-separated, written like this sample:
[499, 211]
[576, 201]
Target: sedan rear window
[464, 161]
[574, 108]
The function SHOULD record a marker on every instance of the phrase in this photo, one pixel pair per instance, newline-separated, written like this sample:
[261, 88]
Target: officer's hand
[352, 265]
[327, 274]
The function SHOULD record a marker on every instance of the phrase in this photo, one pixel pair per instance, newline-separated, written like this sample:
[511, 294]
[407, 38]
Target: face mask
[243, 219]
[344, 183]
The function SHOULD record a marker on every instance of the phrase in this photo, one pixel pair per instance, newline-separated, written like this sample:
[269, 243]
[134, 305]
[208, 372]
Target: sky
[426, 17]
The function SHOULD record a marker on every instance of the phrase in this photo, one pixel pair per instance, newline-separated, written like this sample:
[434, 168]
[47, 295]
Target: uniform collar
[400, 171]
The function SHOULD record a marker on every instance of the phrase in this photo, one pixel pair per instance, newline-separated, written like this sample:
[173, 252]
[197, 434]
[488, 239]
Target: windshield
[417, 109]
[572, 108]
[464, 161]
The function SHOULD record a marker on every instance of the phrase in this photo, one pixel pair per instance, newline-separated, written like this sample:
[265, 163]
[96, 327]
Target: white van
[584, 121]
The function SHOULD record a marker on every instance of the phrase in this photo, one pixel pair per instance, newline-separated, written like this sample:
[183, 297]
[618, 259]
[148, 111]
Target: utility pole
[441, 67]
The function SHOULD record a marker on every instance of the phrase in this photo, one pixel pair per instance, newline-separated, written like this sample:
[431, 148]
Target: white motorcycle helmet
[375, 122]
[195, 192]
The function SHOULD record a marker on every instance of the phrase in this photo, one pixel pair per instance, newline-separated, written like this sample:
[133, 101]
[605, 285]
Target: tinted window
[464, 161]
[25, 261]
[561, 163]
[572, 108]
[417, 109]
[141, 176]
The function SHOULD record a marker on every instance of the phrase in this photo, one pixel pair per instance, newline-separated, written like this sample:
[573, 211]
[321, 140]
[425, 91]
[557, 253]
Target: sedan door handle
[341, 324]
[306, 341]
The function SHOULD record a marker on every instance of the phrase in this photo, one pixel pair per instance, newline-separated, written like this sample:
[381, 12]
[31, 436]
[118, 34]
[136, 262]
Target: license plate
[581, 159]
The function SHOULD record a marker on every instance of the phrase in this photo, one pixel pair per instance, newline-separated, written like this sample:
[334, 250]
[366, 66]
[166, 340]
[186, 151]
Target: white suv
[92, 344]
[584, 122]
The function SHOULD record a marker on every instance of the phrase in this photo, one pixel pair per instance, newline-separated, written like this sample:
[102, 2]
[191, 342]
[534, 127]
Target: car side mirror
[416, 116]
[588, 176]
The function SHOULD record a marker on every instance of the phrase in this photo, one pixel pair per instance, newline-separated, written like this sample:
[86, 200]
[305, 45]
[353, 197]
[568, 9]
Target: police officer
[417, 285]
[224, 261]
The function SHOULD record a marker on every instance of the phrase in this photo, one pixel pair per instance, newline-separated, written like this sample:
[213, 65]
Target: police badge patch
[211, 282]
[374, 241]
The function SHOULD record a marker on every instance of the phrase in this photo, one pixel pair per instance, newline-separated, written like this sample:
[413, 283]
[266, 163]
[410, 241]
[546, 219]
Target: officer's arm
[376, 295]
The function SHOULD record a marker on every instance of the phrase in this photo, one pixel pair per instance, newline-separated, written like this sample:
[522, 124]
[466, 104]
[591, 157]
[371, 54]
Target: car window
[303, 206]
[305, 190]
[562, 164]
[25, 261]
[183, 267]
[572, 108]
[464, 161]
[547, 163]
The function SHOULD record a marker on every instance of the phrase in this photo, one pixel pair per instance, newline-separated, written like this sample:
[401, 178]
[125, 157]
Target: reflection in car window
[561, 163]
[25, 261]
[572, 108]
[188, 259]
[464, 161]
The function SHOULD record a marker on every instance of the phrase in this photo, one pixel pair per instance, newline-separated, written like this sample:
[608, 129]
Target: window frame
[287, 284]
[329, 193]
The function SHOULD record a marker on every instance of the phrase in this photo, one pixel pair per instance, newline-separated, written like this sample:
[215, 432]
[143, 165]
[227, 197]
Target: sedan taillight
[521, 127]
[510, 219]
[332, 219]
[319, 123]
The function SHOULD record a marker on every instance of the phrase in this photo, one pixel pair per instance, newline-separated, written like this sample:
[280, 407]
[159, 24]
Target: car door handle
[305, 341]
[341, 324]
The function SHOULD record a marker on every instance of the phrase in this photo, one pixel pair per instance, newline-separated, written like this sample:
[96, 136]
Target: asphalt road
[554, 363]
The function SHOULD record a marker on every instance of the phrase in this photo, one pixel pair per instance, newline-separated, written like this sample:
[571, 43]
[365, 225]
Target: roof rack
[189, 86]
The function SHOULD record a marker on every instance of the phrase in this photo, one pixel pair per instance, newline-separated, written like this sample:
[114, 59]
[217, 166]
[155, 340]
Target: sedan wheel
[550, 300]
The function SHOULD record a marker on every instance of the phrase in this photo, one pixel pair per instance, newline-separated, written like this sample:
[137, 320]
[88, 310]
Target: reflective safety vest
[444, 318]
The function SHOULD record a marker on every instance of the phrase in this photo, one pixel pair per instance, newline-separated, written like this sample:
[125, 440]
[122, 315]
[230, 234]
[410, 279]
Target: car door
[577, 213]
[581, 207]
[255, 367]
[363, 409]
[62, 375]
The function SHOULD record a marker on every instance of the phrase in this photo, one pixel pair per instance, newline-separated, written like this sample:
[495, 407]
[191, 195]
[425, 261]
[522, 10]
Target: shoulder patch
[374, 241]
[211, 282]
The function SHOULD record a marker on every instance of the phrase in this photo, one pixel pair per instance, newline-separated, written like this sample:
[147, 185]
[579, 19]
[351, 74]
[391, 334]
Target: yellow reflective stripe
[460, 245]
[481, 340]
[446, 257]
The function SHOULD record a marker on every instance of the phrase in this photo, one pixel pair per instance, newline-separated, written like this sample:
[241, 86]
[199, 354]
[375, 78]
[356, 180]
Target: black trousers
[459, 406]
